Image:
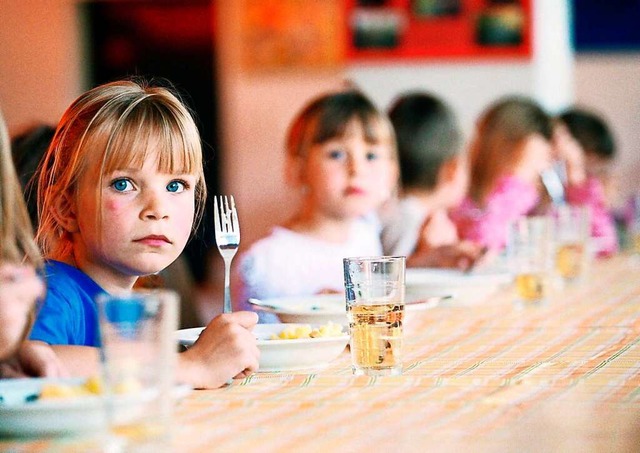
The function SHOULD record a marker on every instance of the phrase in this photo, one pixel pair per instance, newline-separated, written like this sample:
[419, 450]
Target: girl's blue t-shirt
[69, 314]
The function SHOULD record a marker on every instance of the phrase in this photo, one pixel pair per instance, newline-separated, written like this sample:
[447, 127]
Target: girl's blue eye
[175, 186]
[122, 185]
[336, 154]
[372, 155]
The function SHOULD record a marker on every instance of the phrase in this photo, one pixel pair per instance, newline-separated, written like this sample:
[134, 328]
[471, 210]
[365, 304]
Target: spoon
[553, 184]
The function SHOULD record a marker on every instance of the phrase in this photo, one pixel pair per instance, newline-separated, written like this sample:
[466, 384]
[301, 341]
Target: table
[489, 374]
[480, 375]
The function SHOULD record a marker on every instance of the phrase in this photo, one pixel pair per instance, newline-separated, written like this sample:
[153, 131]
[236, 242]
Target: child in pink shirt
[512, 145]
[584, 142]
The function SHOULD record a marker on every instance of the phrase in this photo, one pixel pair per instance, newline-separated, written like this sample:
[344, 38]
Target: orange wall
[40, 68]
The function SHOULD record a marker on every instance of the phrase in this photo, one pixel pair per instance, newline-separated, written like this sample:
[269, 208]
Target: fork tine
[227, 215]
[216, 213]
[234, 217]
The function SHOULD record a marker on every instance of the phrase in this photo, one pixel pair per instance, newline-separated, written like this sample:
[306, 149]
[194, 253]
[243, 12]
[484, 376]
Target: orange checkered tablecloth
[480, 375]
[486, 375]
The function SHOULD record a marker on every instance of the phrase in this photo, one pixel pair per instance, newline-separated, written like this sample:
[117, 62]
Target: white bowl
[22, 415]
[284, 355]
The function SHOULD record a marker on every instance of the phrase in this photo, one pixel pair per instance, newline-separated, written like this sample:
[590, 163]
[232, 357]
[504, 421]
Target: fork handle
[226, 308]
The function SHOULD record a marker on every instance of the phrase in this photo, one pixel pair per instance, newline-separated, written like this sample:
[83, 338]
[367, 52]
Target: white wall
[610, 84]
[468, 88]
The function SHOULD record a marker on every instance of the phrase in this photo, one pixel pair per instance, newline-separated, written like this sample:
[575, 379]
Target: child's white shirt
[288, 263]
[401, 234]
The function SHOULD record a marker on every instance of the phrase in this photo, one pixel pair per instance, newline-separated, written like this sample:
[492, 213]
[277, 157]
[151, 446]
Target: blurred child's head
[513, 137]
[109, 145]
[341, 151]
[16, 234]
[28, 150]
[429, 145]
[594, 137]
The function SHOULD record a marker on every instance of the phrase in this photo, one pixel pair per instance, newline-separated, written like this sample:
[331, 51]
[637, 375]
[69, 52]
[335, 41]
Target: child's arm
[33, 359]
[78, 360]
[462, 256]
[226, 349]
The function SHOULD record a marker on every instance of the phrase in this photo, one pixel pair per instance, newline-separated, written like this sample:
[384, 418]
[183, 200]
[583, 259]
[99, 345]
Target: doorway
[160, 41]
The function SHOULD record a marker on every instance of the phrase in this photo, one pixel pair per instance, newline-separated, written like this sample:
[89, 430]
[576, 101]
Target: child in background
[119, 192]
[20, 286]
[585, 144]
[341, 156]
[434, 179]
[512, 145]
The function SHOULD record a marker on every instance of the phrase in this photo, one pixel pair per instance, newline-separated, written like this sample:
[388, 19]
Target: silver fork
[225, 219]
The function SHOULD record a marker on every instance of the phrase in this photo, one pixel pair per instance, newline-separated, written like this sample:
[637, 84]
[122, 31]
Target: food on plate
[306, 331]
[92, 386]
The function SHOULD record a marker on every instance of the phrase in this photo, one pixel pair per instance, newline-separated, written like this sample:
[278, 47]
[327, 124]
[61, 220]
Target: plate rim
[265, 342]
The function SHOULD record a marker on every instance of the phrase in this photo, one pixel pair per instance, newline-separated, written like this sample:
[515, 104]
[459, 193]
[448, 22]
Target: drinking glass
[374, 291]
[571, 233]
[528, 251]
[634, 225]
[138, 356]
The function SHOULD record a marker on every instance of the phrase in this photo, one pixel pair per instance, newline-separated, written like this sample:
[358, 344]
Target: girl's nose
[155, 207]
[354, 165]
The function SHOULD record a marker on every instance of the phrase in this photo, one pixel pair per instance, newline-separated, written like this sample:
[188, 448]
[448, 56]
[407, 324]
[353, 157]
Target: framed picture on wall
[291, 34]
[443, 29]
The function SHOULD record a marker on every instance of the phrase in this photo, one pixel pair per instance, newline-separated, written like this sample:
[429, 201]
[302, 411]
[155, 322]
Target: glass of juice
[529, 251]
[571, 233]
[374, 291]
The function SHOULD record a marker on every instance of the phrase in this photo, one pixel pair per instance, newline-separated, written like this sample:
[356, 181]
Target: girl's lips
[154, 240]
[354, 191]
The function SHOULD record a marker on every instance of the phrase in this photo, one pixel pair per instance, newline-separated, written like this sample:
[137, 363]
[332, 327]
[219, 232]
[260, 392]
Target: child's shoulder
[278, 238]
[68, 280]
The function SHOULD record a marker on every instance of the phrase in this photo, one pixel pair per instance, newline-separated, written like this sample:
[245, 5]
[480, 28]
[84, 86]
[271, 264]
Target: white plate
[318, 309]
[22, 418]
[475, 285]
[325, 308]
[284, 355]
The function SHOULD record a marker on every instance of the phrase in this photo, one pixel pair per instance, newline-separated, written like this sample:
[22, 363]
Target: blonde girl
[119, 193]
[341, 158]
[512, 145]
[20, 286]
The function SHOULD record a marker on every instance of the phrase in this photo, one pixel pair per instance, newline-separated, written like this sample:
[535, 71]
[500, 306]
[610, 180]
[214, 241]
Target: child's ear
[64, 211]
[294, 171]
[448, 170]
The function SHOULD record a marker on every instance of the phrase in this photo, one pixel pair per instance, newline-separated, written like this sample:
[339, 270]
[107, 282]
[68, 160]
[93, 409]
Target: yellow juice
[376, 338]
[530, 287]
[636, 243]
[570, 260]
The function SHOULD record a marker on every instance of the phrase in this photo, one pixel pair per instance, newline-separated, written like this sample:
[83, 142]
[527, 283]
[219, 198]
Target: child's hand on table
[225, 349]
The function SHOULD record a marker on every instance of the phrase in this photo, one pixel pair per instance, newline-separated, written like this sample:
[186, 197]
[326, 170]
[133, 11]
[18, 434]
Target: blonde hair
[123, 121]
[328, 116]
[16, 233]
[497, 148]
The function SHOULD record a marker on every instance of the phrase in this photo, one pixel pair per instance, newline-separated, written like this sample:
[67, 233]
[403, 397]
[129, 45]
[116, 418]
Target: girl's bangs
[146, 130]
[336, 126]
